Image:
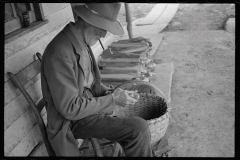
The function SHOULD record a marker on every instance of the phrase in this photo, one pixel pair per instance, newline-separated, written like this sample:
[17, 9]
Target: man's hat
[102, 15]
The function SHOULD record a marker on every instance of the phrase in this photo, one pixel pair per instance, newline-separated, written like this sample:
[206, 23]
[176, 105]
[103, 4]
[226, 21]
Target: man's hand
[122, 98]
[109, 89]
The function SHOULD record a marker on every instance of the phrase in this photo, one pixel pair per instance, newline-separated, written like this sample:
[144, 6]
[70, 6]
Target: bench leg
[116, 151]
[97, 148]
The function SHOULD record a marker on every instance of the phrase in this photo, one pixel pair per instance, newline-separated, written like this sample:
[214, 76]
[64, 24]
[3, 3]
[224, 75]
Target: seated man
[68, 67]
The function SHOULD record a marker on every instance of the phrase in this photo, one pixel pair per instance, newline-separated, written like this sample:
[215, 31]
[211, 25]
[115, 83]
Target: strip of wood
[110, 71]
[138, 39]
[19, 106]
[121, 70]
[125, 68]
[18, 130]
[125, 45]
[161, 22]
[153, 15]
[120, 49]
[120, 60]
[118, 76]
[120, 55]
[24, 57]
[28, 143]
[168, 14]
[121, 64]
[129, 50]
[163, 80]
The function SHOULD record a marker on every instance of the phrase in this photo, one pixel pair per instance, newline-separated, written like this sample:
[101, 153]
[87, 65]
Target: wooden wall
[21, 134]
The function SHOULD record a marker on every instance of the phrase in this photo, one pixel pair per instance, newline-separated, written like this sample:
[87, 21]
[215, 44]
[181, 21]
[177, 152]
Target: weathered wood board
[123, 70]
[113, 81]
[164, 72]
[153, 15]
[19, 106]
[27, 76]
[18, 130]
[161, 22]
[118, 65]
[118, 54]
[119, 76]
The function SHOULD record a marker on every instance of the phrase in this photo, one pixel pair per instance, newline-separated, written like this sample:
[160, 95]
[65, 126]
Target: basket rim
[155, 120]
[143, 82]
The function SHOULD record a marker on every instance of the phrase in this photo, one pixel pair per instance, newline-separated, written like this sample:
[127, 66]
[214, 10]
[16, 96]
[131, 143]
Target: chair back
[36, 109]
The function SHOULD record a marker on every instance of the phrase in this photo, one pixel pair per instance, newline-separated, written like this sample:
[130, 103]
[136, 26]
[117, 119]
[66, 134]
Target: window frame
[37, 21]
[13, 24]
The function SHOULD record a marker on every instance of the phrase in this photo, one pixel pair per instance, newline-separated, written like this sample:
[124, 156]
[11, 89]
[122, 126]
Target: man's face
[93, 34]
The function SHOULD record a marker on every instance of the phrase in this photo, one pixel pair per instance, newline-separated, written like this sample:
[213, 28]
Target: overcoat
[63, 69]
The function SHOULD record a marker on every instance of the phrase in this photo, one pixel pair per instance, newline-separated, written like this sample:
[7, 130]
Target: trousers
[132, 132]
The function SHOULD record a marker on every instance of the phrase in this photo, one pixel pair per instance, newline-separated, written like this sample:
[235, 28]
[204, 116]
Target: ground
[203, 86]
[203, 83]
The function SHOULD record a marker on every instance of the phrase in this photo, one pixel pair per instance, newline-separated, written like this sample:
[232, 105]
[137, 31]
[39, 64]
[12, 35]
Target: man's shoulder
[60, 44]
[60, 41]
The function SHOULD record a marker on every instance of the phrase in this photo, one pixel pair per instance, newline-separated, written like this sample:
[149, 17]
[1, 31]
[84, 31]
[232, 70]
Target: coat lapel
[76, 44]
[96, 85]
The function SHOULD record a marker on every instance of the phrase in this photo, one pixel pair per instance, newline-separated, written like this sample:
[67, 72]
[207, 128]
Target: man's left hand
[109, 90]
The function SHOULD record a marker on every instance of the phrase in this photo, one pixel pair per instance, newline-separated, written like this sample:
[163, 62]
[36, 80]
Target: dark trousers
[132, 133]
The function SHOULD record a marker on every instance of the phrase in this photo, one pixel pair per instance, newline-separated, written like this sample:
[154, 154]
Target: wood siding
[21, 133]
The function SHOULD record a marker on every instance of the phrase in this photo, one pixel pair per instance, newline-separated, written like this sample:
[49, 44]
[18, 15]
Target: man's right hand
[122, 98]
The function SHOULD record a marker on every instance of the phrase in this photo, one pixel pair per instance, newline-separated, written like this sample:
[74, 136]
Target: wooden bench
[19, 81]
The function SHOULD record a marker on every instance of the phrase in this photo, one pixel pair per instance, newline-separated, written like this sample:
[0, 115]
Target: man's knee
[137, 123]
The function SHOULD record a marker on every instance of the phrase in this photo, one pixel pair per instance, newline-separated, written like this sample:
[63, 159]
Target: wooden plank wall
[21, 134]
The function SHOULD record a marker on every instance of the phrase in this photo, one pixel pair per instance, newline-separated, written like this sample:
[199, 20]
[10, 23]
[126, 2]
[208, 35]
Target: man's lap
[106, 126]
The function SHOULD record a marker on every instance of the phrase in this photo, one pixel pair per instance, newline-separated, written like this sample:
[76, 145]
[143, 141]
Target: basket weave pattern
[152, 108]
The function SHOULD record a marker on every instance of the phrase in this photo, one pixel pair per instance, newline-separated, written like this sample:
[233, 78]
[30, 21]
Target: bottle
[26, 19]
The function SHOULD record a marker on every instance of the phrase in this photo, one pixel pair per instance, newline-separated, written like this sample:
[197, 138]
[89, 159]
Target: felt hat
[102, 15]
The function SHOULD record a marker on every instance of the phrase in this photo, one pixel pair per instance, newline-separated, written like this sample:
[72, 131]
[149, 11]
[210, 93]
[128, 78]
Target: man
[68, 68]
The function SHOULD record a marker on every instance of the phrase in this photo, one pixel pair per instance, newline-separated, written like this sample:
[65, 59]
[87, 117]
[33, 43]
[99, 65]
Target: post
[129, 21]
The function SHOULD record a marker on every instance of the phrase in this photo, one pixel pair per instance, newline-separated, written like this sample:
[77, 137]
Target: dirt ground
[203, 83]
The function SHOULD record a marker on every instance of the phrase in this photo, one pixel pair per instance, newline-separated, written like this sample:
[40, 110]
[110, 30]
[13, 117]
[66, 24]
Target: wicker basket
[151, 107]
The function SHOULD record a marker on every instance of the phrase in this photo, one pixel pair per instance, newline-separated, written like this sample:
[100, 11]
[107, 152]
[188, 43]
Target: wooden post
[129, 21]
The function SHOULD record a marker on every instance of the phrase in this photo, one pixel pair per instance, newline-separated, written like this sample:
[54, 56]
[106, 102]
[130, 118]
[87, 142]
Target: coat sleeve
[59, 72]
